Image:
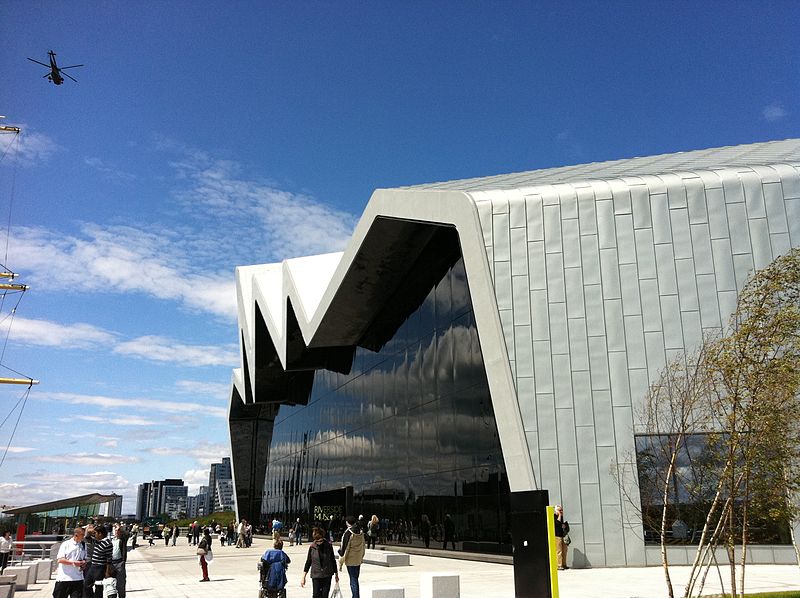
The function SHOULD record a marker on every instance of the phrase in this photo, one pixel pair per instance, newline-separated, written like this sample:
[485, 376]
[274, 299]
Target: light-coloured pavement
[173, 572]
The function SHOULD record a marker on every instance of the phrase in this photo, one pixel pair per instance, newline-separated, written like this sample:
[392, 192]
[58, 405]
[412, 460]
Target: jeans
[204, 566]
[321, 587]
[93, 573]
[353, 572]
[121, 575]
[68, 589]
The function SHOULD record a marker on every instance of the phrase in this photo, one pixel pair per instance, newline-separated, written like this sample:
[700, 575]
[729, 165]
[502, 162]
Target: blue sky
[206, 135]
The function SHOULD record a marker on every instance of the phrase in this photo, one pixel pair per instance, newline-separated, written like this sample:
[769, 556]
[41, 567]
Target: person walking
[321, 562]
[134, 536]
[119, 556]
[195, 533]
[240, 532]
[373, 528]
[175, 533]
[71, 560]
[203, 548]
[449, 532]
[6, 544]
[298, 532]
[425, 530]
[101, 557]
[561, 529]
[166, 531]
[352, 553]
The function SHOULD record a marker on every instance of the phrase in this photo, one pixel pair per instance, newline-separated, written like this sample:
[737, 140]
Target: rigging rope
[11, 198]
[11, 315]
[14, 431]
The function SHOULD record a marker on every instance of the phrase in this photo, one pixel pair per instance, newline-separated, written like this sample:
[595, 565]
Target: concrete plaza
[173, 572]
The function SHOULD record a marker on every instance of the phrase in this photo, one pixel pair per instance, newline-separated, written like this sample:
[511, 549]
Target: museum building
[495, 335]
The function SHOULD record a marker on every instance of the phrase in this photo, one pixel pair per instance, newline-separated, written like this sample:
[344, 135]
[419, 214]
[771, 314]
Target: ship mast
[7, 286]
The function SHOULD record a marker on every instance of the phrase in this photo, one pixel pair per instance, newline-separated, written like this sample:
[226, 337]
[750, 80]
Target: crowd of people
[91, 563]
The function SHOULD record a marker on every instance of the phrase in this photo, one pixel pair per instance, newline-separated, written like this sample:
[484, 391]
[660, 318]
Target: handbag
[201, 551]
[567, 539]
[336, 592]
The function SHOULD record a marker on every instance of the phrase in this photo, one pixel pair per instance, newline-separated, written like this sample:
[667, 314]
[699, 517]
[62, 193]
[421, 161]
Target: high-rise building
[218, 471]
[161, 496]
[223, 497]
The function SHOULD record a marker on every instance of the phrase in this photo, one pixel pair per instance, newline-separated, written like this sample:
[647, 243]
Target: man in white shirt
[71, 561]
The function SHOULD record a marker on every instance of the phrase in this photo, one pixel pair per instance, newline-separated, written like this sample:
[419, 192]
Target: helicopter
[55, 71]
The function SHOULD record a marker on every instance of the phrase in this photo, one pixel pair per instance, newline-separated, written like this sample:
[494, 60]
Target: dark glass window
[410, 431]
[691, 486]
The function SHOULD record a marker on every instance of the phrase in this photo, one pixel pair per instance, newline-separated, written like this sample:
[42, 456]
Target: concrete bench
[7, 586]
[386, 558]
[44, 569]
[440, 585]
[23, 574]
[383, 592]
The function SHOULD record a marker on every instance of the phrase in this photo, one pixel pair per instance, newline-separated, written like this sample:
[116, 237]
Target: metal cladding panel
[645, 254]
[523, 349]
[526, 395]
[776, 211]
[519, 252]
[793, 215]
[723, 264]
[535, 217]
[567, 445]
[555, 277]
[537, 270]
[651, 309]
[587, 455]
[573, 280]
[559, 335]
[546, 414]
[578, 345]
[634, 342]
[521, 298]
[665, 264]
[540, 319]
[759, 238]
[781, 243]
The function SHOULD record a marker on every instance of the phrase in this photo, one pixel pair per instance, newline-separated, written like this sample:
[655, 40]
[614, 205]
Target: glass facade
[410, 430]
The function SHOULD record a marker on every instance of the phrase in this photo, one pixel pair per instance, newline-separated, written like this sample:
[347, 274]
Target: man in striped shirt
[101, 556]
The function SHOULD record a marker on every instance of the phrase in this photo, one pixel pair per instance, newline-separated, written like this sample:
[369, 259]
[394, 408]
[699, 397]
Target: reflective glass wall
[409, 431]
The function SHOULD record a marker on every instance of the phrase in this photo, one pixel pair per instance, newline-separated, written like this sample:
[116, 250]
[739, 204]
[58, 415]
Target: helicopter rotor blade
[70, 76]
[69, 67]
[44, 76]
[37, 62]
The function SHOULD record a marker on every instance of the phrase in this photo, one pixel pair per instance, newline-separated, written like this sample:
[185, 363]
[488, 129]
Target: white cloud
[109, 172]
[224, 220]
[774, 112]
[29, 147]
[53, 334]
[118, 420]
[147, 405]
[205, 453]
[73, 459]
[20, 449]
[215, 390]
[153, 348]
[120, 259]
[194, 478]
[158, 348]
[286, 224]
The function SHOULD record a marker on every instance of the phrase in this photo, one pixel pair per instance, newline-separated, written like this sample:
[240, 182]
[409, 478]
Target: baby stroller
[272, 569]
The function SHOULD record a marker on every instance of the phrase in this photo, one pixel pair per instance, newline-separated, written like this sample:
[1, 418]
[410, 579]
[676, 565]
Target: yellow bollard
[551, 542]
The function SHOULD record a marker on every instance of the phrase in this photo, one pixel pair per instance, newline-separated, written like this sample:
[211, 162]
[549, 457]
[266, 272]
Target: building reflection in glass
[411, 429]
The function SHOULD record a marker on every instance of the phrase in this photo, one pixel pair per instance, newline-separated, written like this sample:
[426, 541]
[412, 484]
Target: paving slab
[174, 572]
